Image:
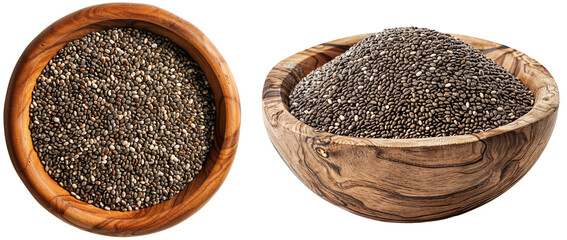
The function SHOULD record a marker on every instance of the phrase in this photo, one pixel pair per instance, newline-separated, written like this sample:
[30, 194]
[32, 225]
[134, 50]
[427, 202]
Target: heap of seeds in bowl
[122, 118]
[409, 83]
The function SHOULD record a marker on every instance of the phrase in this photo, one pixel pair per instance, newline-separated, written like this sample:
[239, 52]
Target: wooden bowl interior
[86, 216]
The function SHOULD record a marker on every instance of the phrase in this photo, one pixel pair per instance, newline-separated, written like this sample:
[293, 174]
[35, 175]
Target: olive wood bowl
[57, 200]
[409, 180]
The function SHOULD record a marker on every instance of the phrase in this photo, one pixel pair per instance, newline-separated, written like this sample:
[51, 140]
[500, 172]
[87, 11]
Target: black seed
[409, 83]
[108, 123]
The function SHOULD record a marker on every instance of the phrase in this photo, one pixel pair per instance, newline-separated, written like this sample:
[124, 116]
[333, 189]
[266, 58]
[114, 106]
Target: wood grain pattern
[57, 200]
[409, 180]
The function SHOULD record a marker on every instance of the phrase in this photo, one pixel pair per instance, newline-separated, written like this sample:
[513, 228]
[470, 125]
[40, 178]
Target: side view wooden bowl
[409, 180]
[56, 199]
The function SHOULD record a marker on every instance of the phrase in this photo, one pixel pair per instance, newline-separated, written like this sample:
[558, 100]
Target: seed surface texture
[409, 83]
[122, 118]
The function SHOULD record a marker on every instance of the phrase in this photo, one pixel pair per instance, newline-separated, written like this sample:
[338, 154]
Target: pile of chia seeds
[409, 83]
[122, 118]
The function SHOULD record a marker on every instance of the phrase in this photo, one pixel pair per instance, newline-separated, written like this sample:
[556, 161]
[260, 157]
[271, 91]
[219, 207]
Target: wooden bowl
[409, 180]
[86, 216]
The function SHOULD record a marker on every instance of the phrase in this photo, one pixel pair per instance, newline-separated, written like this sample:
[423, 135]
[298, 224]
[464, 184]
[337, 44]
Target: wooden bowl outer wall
[409, 180]
[86, 216]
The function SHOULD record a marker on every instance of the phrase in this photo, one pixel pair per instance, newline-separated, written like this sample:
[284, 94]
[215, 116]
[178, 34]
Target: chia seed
[409, 83]
[122, 118]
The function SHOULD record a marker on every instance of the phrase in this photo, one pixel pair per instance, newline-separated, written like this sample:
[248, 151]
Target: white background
[261, 198]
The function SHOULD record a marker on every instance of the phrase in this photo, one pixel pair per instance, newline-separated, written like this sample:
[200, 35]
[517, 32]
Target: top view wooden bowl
[409, 180]
[86, 216]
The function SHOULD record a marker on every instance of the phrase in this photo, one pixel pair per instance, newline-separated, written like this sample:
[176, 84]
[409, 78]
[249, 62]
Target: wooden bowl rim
[181, 208]
[543, 105]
